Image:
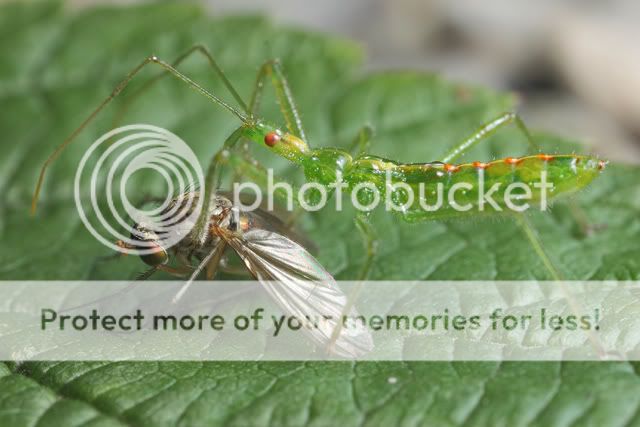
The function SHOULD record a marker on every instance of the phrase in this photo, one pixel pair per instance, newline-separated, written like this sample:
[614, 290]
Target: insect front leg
[489, 129]
[196, 49]
[212, 181]
[116, 91]
[288, 108]
[284, 96]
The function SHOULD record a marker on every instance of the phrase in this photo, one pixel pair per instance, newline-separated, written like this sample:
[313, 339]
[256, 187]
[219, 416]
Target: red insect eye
[271, 138]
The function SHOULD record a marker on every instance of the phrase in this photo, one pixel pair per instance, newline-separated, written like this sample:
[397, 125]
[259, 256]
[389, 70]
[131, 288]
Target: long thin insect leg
[488, 129]
[199, 49]
[212, 257]
[362, 142]
[367, 231]
[175, 271]
[119, 88]
[212, 180]
[575, 307]
[146, 274]
[273, 69]
[533, 238]
[250, 167]
[370, 239]
[214, 263]
[483, 134]
[288, 108]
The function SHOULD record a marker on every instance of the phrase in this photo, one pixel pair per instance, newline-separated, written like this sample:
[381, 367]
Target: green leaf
[56, 65]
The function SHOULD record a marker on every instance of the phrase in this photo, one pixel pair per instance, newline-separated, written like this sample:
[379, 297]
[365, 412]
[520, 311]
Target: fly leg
[214, 263]
[180, 271]
[210, 262]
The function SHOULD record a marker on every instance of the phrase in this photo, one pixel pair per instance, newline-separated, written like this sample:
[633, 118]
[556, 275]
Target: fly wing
[263, 218]
[302, 288]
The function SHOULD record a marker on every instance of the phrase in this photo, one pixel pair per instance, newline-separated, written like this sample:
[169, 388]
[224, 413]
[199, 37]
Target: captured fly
[292, 277]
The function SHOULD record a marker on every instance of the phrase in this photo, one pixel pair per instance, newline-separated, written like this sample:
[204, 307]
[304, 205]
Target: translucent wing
[301, 286]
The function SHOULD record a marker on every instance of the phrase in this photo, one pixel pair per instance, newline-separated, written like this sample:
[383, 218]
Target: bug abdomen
[444, 191]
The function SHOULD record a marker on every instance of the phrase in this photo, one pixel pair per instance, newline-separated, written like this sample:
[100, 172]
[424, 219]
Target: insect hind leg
[531, 235]
[487, 130]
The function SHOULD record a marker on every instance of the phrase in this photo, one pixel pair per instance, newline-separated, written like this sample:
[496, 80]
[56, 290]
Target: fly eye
[272, 138]
[158, 257]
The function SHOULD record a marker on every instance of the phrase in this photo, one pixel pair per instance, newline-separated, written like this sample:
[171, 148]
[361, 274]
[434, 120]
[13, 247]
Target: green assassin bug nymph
[567, 172]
